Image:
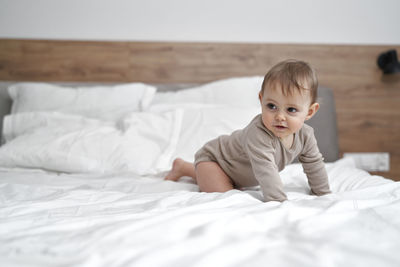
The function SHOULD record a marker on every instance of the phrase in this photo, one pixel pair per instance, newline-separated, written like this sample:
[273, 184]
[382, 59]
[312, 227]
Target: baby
[273, 139]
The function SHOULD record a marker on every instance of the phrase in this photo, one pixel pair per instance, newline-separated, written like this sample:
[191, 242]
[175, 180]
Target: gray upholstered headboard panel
[324, 122]
[325, 125]
[5, 103]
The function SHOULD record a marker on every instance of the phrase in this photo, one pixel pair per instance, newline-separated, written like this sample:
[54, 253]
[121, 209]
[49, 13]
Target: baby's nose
[279, 116]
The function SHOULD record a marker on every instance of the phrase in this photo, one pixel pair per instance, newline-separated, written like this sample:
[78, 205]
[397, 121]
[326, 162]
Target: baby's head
[288, 97]
[292, 75]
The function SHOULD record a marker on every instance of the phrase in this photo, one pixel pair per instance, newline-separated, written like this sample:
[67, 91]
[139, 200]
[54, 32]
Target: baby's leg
[211, 178]
[181, 168]
[208, 175]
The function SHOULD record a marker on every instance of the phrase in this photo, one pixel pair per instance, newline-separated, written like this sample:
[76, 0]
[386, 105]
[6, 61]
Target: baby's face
[285, 115]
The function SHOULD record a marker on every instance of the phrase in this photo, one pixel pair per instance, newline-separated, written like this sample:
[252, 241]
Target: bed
[81, 184]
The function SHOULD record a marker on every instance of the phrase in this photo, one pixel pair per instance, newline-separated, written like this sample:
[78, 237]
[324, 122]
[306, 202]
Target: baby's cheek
[297, 124]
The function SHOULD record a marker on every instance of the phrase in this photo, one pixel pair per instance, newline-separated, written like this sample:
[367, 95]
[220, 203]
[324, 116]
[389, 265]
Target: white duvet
[49, 219]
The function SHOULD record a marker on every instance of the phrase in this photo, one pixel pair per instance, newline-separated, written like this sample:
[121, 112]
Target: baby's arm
[267, 174]
[261, 154]
[314, 167]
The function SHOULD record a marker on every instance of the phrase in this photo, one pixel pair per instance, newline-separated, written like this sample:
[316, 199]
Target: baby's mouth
[280, 127]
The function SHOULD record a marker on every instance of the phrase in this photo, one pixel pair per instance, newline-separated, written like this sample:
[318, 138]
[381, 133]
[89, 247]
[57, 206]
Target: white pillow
[103, 102]
[201, 123]
[15, 125]
[239, 92]
[75, 144]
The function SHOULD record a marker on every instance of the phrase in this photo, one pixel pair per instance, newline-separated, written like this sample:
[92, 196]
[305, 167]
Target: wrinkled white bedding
[114, 208]
[141, 142]
[49, 219]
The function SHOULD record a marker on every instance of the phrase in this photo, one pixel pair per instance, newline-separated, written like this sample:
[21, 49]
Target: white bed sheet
[49, 219]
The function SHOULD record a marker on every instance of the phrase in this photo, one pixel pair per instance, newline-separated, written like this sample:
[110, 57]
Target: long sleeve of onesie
[261, 153]
[314, 167]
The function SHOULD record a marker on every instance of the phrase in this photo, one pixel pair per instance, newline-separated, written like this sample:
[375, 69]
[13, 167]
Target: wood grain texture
[368, 104]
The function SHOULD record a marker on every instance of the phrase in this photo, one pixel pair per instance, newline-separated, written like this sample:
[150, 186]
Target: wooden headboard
[368, 104]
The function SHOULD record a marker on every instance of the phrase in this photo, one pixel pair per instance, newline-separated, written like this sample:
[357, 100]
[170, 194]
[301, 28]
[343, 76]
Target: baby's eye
[292, 110]
[271, 106]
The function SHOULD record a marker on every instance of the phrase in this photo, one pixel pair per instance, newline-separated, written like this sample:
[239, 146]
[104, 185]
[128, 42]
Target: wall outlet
[372, 162]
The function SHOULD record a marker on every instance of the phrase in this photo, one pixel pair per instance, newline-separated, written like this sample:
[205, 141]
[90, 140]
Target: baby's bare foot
[176, 171]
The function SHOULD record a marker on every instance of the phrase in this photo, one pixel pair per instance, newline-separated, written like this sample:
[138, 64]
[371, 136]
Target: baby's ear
[312, 110]
[260, 96]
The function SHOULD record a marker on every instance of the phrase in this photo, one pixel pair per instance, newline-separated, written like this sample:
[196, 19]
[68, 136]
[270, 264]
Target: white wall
[296, 21]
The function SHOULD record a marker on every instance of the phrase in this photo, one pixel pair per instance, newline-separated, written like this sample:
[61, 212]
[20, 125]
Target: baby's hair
[292, 74]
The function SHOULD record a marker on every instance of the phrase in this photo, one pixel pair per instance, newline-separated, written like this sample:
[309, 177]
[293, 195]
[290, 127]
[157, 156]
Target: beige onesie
[254, 156]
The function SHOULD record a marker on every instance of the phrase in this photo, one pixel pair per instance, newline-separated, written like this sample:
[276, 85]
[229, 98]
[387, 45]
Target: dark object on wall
[388, 62]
